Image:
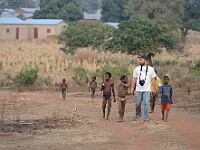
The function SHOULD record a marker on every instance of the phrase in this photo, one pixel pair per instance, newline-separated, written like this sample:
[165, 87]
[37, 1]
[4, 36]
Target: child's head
[107, 76]
[64, 80]
[124, 79]
[166, 79]
[93, 78]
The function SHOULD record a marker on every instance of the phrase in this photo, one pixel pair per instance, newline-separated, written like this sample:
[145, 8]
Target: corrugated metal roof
[9, 10]
[30, 10]
[30, 21]
[114, 24]
[26, 15]
[44, 21]
[7, 15]
[11, 21]
[92, 16]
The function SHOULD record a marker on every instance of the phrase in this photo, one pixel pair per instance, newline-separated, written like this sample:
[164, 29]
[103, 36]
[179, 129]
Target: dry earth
[45, 121]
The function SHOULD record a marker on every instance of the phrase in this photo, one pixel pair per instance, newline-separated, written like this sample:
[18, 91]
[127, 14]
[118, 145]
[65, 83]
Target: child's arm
[102, 86]
[113, 91]
[171, 93]
[126, 85]
[171, 99]
[133, 85]
[96, 84]
[67, 88]
[60, 87]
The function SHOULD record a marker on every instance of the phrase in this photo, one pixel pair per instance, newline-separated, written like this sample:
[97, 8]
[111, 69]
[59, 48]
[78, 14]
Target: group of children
[107, 87]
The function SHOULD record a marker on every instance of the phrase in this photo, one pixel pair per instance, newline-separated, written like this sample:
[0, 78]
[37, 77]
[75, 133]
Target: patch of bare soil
[42, 120]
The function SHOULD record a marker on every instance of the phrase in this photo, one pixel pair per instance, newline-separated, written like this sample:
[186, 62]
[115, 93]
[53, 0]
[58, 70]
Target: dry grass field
[41, 120]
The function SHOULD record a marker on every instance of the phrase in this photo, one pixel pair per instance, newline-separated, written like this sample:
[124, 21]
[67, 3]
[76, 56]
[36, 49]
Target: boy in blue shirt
[166, 92]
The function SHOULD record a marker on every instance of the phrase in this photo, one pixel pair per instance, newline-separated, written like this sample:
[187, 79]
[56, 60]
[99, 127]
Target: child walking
[93, 87]
[64, 88]
[122, 93]
[107, 87]
[166, 92]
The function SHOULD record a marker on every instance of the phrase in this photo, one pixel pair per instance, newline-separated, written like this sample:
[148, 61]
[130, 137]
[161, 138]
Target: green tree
[171, 11]
[142, 35]
[84, 34]
[191, 18]
[68, 10]
[113, 10]
[90, 6]
[15, 4]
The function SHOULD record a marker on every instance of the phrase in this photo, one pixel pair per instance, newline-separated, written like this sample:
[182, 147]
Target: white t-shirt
[150, 74]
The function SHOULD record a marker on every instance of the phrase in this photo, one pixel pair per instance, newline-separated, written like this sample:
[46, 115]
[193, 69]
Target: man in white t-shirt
[143, 76]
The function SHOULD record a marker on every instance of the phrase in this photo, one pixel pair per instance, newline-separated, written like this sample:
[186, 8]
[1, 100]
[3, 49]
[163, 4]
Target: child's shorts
[166, 106]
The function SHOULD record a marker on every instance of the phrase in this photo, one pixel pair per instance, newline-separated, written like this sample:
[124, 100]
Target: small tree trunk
[150, 55]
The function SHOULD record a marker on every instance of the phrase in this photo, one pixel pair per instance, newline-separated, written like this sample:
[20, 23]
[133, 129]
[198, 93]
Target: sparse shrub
[133, 62]
[1, 65]
[6, 80]
[27, 76]
[176, 74]
[195, 70]
[44, 81]
[157, 63]
[169, 63]
[80, 76]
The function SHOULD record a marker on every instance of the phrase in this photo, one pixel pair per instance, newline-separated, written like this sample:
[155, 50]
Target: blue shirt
[166, 92]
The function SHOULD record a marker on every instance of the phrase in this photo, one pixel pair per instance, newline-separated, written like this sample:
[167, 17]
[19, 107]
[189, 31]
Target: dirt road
[181, 132]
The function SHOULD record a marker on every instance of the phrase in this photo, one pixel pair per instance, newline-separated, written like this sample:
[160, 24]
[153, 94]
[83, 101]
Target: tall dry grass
[14, 56]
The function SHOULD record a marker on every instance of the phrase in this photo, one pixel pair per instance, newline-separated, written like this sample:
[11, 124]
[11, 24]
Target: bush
[6, 80]
[44, 81]
[80, 76]
[27, 76]
[1, 65]
[195, 69]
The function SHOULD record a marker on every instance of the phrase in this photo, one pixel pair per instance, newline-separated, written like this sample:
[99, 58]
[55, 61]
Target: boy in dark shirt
[166, 92]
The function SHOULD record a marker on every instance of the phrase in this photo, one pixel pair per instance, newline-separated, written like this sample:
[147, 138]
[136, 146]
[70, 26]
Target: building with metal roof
[26, 10]
[91, 17]
[41, 29]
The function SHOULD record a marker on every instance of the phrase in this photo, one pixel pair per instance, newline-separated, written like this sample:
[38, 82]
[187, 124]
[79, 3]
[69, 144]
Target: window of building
[48, 30]
[7, 30]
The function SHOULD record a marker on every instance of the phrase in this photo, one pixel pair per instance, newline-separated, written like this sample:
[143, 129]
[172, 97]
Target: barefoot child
[107, 87]
[63, 88]
[122, 92]
[92, 87]
[166, 97]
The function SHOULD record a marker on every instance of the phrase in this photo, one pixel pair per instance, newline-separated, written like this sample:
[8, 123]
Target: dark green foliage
[27, 76]
[85, 34]
[142, 35]
[15, 4]
[91, 6]
[191, 19]
[113, 10]
[68, 10]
